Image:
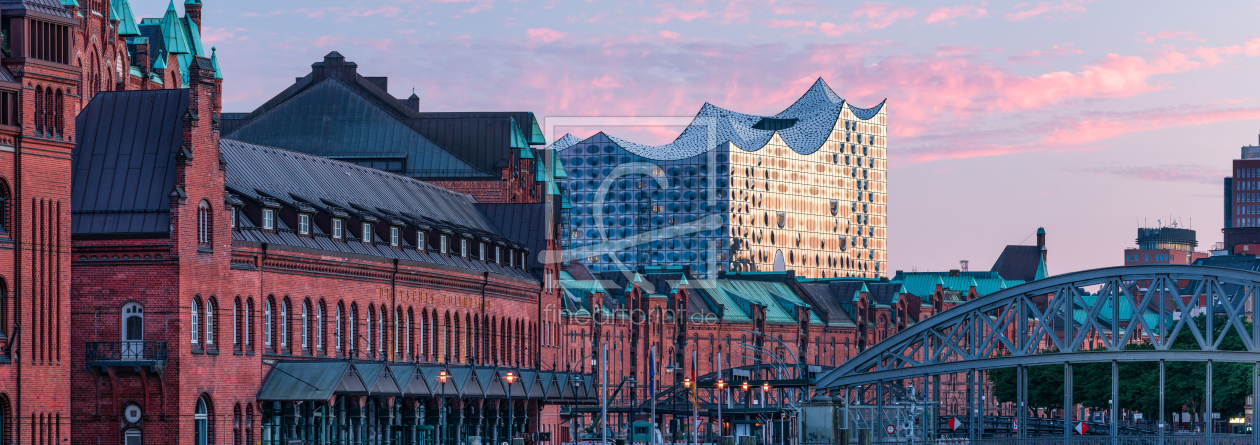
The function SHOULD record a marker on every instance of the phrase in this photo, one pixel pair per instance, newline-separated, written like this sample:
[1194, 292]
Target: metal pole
[695, 408]
[1021, 379]
[1255, 390]
[721, 392]
[1067, 401]
[971, 404]
[879, 410]
[1162, 417]
[603, 409]
[652, 395]
[1208, 412]
[1115, 401]
[512, 418]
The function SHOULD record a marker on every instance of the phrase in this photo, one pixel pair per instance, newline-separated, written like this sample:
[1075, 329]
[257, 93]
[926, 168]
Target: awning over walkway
[320, 380]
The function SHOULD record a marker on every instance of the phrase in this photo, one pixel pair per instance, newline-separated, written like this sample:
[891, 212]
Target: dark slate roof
[50, 7]
[255, 170]
[332, 119]
[525, 121]
[483, 142]
[123, 165]
[1018, 263]
[525, 223]
[883, 293]
[5, 75]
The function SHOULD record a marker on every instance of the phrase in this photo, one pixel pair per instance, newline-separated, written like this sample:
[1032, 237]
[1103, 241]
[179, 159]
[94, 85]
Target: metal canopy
[1083, 317]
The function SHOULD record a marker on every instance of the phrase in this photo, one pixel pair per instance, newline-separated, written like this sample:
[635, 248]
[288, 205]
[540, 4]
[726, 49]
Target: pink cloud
[1151, 38]
[1198, 174]
[671, 13]
[796, 8]
[669, 34]
[1027, 11]
[545, 35]
[325, 41]
[1037, 57]
[869, 16]
[791, 24]
[950, 15]
[478, 8]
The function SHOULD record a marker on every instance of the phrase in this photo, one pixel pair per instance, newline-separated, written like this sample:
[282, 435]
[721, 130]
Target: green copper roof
[527, 154]
[214, 60]
[536, 136]
[1042, 272]
[518, 138]
[160, 63]
[69, 3]
[174, 33]
[126, 19]
[555, 158]
[192, 2]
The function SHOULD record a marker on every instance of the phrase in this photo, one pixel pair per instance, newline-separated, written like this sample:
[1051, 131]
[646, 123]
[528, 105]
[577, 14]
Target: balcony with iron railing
[134, 353]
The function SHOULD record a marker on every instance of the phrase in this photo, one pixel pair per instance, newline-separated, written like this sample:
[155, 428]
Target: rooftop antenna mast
[963, 265]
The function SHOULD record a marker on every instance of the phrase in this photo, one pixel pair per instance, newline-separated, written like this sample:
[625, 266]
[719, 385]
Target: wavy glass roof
[805, 126]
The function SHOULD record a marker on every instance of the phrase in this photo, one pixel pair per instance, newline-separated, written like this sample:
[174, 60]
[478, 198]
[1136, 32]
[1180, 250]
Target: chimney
[953, 272]
[192, 10]
[1041, 242]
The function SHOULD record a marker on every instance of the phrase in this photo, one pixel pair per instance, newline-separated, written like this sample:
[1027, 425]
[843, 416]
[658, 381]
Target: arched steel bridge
[1081, 317]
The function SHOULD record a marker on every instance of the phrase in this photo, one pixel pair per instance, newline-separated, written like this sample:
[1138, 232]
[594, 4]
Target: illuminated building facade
[805, 189]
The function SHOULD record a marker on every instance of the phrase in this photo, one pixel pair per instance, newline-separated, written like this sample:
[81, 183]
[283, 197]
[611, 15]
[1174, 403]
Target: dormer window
[394, 234]
[481, 251]
[511, 258]
[269, 219]
[442, 247]
[523, 260]
[497, 249]
[463, 247]
[367, 232]
[336, 228]
[233, 217]
[304, 224]
[421, 241]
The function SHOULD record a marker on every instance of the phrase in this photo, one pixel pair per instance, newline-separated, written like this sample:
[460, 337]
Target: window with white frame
[497, 250]
[269, 219]
[233, 221]
[319, 328]
[463, 247]
[442, 247]
[367, 232]
[304, 224]
[284, 324]
[336, 228]
[481, 251]
[195, 322]
[306, 324]
[337, 331]
[511, 258]
[394, 234]
[380, 333]
[203, 223]
[210, 322]
[367, 339]
[421, 241]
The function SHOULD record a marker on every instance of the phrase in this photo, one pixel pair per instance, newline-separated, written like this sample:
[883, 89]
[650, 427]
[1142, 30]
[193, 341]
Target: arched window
[236, 323]
[352, 330]
[39, 110]
[201, 423]
[195, 322]
[367, 322]
[211, 308]
[284, 324]
[267, 323]
[50, 113]
[381, 333]
[306, 324]
[59, 114]
[248, 321]
[319, 328]
[410, 336]
[203, 224]
[5, 220]
[337, 329]
[398, 328]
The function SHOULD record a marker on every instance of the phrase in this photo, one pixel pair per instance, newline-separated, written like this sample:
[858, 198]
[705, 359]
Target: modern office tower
[805, 189]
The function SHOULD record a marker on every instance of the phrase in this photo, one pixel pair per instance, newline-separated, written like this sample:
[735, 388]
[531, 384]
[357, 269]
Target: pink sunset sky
[1083, 117]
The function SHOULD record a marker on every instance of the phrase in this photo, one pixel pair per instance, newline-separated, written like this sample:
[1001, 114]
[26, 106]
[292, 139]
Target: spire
[173, 33]
[160, 62]
[126, 19]
[214, 60]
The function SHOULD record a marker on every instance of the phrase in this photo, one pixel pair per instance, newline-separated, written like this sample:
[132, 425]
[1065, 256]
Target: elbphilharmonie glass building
[805, 190]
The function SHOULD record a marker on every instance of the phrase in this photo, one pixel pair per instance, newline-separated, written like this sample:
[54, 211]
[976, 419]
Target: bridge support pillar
[1255, 392]
[1068, 407]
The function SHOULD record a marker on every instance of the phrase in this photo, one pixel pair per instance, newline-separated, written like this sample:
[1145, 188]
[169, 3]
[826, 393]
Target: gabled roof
[1018, 263]
[522, 222]
[126, 19]
[332, 119]
[260, 173]
[123, 164]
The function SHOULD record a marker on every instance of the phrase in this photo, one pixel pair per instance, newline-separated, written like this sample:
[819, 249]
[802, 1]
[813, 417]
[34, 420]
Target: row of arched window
[310, 327]
[50, 112]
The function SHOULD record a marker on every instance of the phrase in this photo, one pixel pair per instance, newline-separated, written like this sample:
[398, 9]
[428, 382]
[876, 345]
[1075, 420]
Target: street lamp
[509, 377]
[721, 385]
[442, 376]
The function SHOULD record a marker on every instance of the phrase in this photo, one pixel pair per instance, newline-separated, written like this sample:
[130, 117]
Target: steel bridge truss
[1083, 317]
